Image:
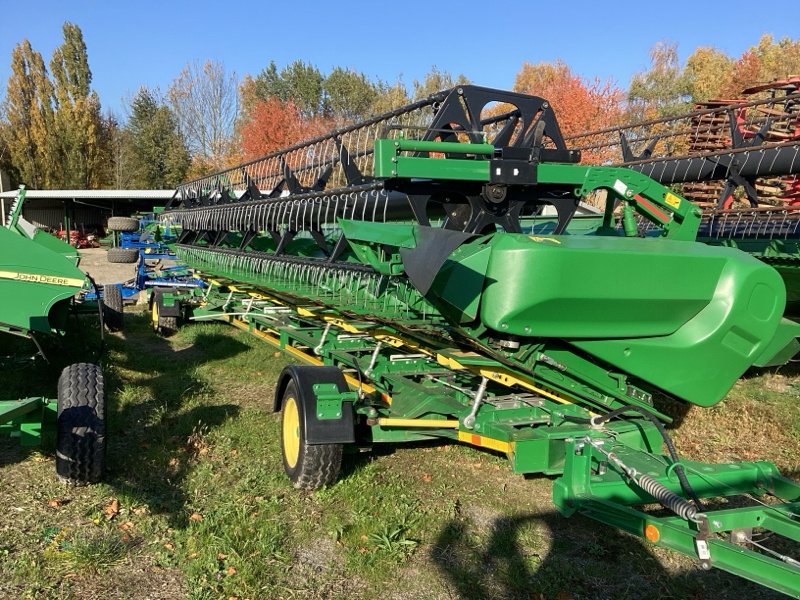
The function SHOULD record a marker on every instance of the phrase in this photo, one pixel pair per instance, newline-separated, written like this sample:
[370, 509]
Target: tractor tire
[123, 255]
[308, 467]
[123, 224]
[113, 308]
[81, 430]
[162, 325]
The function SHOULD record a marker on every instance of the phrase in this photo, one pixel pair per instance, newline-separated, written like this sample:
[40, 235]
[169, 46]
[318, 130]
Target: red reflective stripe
[651, 207]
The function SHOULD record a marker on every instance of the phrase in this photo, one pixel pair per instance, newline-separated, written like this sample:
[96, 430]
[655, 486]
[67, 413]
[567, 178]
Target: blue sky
[142, 42]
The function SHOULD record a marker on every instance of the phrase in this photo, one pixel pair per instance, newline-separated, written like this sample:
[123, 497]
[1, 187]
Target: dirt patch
[133, 580]
[94, 261]
[318, 555]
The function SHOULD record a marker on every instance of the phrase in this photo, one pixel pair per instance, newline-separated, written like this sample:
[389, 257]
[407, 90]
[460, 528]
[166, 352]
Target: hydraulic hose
[679, 472]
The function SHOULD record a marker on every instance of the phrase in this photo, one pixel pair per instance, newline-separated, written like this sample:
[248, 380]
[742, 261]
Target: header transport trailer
[405, 260]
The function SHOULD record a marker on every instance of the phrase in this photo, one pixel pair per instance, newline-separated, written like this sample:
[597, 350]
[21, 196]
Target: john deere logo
[38, 278]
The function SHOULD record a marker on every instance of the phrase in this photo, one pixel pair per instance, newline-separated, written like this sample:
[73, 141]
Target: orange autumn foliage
[272, 125]
[579, 105]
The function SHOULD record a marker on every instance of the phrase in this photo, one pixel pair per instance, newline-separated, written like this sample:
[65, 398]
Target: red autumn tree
[272, 125]
[746, 72]
[579, 105]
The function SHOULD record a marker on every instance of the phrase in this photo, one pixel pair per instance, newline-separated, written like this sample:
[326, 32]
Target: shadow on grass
[585, 560]
[154, 442]
[30, 370]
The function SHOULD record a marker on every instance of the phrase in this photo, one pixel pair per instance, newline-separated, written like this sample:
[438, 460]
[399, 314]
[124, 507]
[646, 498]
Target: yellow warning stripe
[434, 423]
[499, 375]
[351, 381]
[485, 442]
[38, 278]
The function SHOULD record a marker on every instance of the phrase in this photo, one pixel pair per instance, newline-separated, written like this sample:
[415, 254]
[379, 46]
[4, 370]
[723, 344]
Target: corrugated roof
[93, 194]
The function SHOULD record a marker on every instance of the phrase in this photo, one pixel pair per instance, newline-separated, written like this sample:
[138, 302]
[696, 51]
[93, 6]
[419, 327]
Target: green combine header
[429, 269]
[40, 288]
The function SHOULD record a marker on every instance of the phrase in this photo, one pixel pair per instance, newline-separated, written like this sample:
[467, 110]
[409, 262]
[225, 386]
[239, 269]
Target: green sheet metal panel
[33, 282]
[685, 317]
[596, 287]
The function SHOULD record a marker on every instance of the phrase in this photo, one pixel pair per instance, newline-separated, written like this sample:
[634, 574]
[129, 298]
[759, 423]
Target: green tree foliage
[78, 132]
[777, 60]
[390, 97]
[349, 96]
[344, 95]
[298, 82]
[436, 81]
[54, 130]
[665, 88]
[152, 145]
[28, 112]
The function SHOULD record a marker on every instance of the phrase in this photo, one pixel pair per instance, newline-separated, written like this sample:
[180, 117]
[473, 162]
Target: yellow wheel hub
[291, 432]
[154, 314]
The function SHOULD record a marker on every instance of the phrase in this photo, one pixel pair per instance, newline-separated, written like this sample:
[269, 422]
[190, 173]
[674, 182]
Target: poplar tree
[78, 124]
[28, 109]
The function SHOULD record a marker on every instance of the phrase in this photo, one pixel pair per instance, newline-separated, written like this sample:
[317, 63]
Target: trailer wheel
[162, 325]
[308, 467]
[113, 311]
[123, 224]
[123, 255]
[81, 431]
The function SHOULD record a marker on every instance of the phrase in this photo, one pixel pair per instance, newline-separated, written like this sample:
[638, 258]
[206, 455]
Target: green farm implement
[39, 282]
[410, 263]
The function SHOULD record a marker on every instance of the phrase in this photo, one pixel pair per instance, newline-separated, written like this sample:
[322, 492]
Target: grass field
[196, 505]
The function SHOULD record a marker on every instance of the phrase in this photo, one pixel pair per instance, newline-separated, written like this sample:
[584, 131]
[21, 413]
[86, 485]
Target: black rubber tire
[81, 430]
[167, 326]
[162, 325]
[123, 224]
[316, 465]
[123, 255]
[113, 308]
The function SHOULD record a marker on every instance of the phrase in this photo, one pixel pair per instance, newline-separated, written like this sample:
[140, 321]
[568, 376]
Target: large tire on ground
[123, 255]
[81, 430]
[308, 467]
[123, 224]
[113, 308]
[162, 325]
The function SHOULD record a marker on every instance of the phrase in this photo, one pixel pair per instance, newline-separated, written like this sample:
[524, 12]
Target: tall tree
[273, 125]
[764, 62]
[153, 145]
[28, 111]
[665, 88]
[779, 59]
[349, 95]
[436, 81]
[390, 97]
[78, 123]
[709, 71]
[746, 71]
[205, 100]
[299, 82]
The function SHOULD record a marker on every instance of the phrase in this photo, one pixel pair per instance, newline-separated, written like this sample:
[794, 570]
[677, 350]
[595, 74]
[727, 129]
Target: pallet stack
[784, 126]
[710, 133]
